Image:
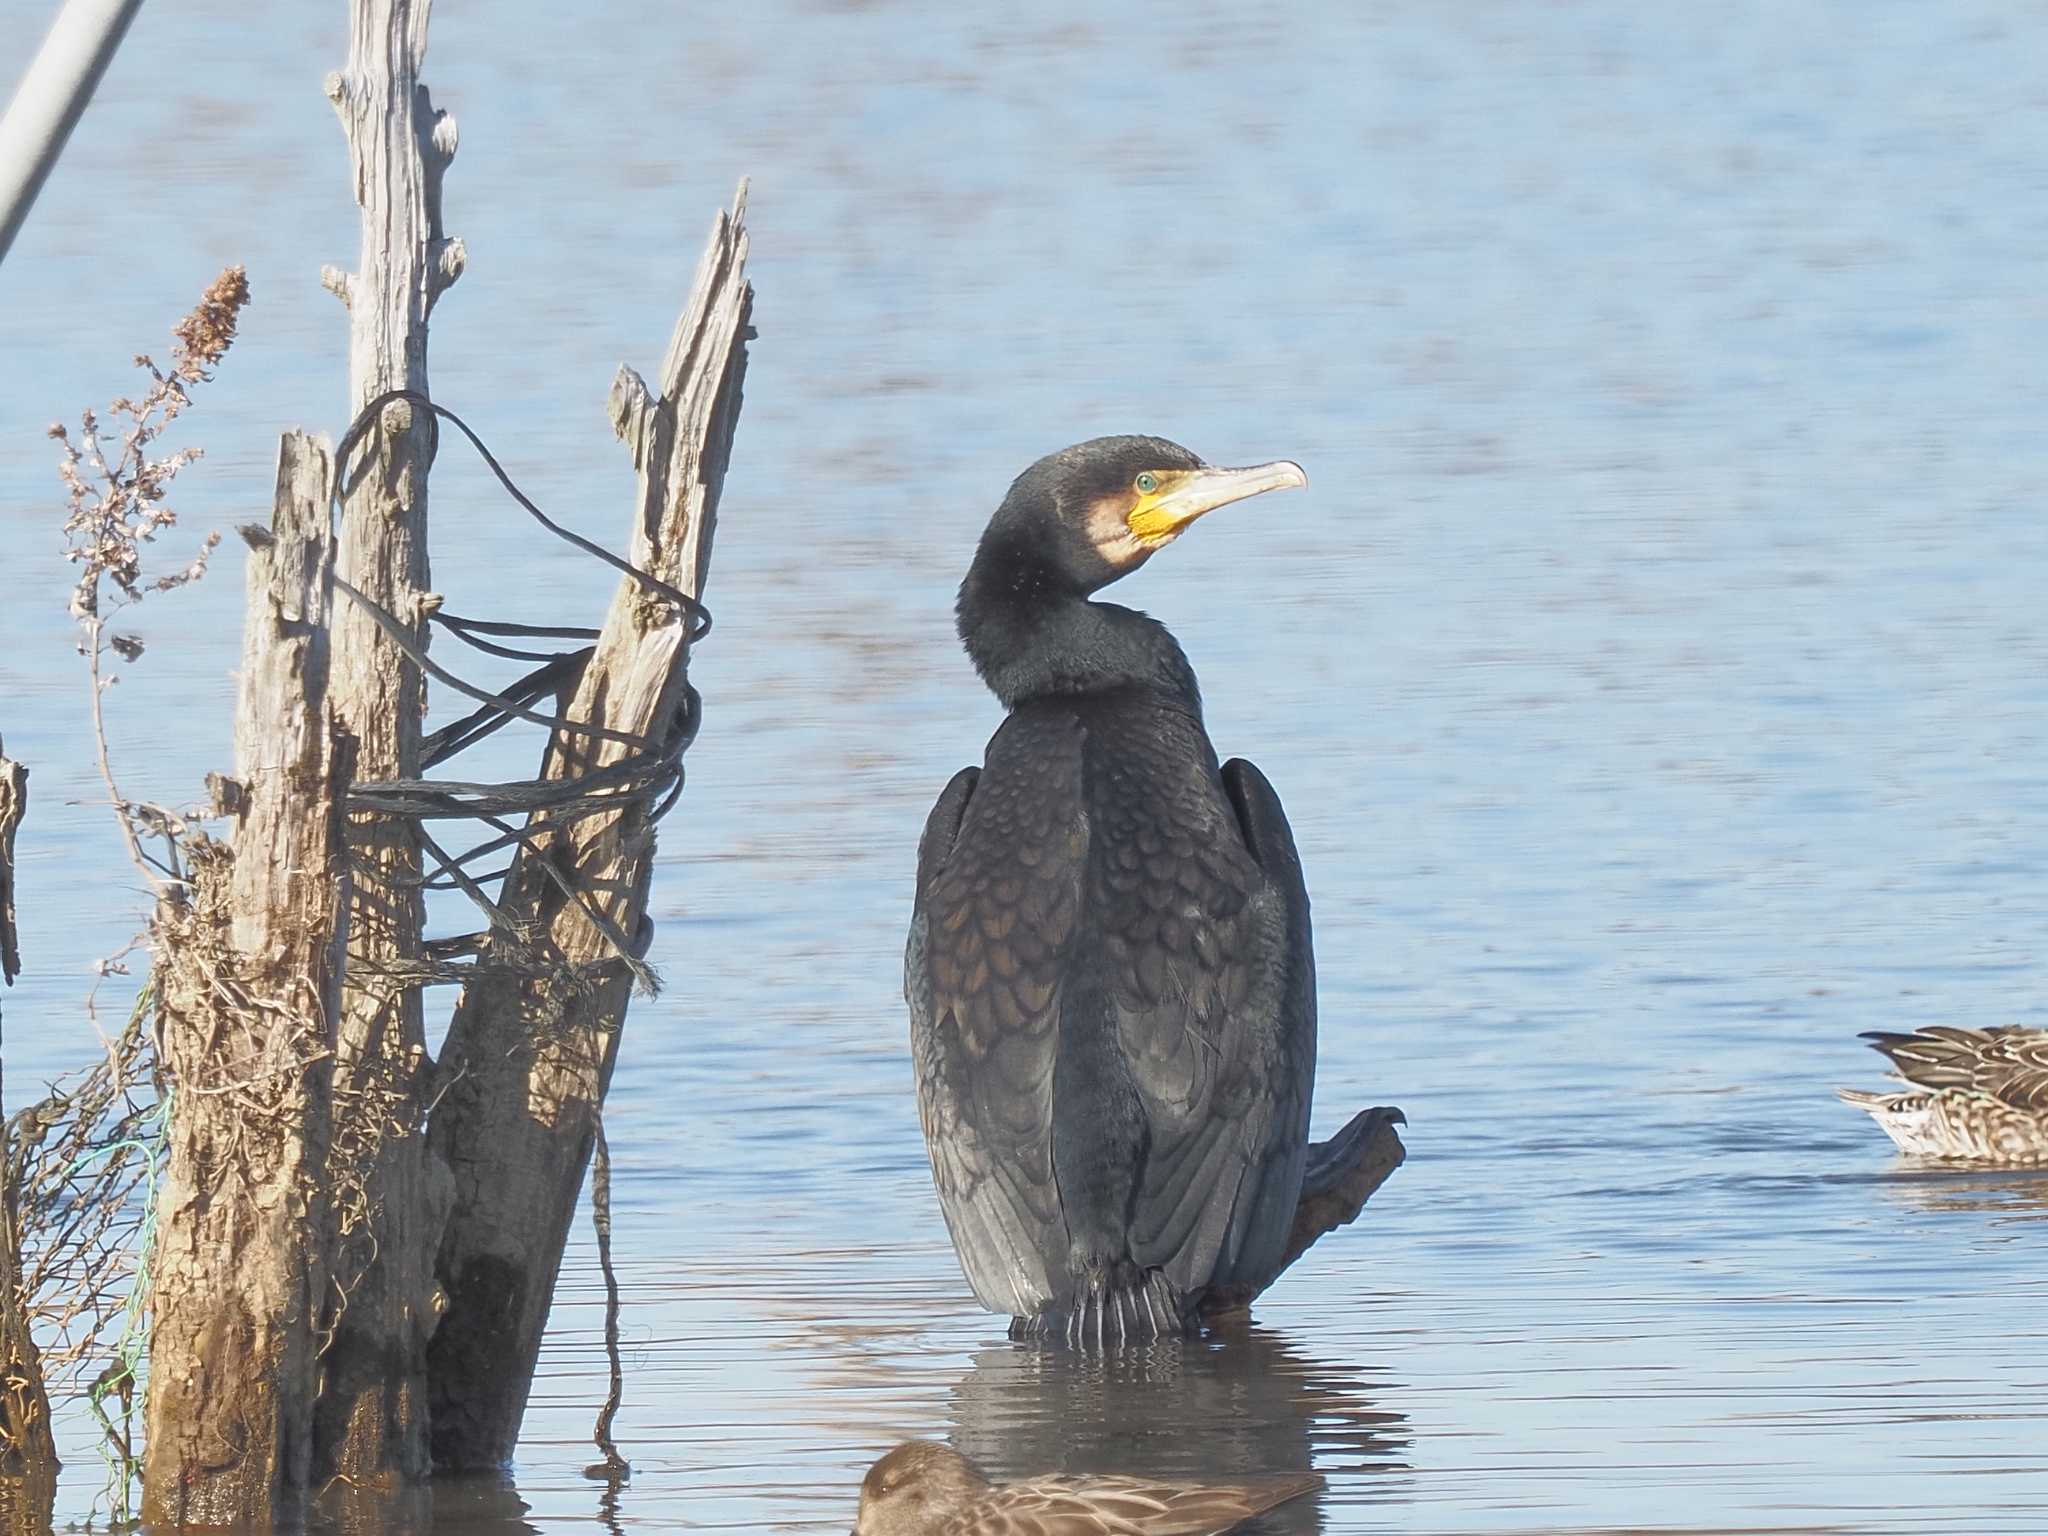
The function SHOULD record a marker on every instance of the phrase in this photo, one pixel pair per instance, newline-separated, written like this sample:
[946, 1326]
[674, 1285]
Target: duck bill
[1165, 515]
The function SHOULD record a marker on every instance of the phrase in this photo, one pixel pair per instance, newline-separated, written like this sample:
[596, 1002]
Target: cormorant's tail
[1148, 1309]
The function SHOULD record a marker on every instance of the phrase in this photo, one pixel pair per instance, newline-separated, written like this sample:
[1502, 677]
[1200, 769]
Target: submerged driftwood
[1341, 1176]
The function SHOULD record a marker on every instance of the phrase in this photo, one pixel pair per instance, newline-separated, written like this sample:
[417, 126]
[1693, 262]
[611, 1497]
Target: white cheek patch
[1111, 535]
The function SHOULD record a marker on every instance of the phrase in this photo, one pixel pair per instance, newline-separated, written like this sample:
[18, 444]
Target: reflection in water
[2013, 1193]
[1648, 678]
[1229, 1404]
[613, 1481]
[484, 1504]
[26, 1503]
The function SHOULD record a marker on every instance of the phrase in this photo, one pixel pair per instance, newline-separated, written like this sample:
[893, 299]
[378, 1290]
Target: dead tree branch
[372, 1424]
[528, 1059]
[1341, 1175]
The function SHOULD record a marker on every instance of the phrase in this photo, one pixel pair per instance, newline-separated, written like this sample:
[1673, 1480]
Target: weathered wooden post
[373, 1415]
[528, 1059]
[249, 971]
[25, 1441]
[26, 1446]
[303, 1207]
[13, 806]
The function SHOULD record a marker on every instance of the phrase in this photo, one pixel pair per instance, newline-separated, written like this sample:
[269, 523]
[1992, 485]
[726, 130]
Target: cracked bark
[28, 1455]
[372, 1428]
[249, 971]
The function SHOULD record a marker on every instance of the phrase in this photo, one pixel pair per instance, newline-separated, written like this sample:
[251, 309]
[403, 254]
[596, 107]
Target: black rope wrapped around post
[652, 773]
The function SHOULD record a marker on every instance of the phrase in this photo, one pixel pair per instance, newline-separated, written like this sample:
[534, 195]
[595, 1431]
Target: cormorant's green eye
[1148, 483]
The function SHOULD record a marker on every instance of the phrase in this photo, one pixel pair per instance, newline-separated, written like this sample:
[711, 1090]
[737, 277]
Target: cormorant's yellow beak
[1182, 495]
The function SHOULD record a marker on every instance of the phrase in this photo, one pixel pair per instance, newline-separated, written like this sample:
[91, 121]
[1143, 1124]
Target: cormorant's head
[918, 1486]
[1098, 510]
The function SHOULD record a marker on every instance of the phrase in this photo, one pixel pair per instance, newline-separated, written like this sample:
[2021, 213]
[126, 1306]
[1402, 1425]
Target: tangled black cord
[650, 775]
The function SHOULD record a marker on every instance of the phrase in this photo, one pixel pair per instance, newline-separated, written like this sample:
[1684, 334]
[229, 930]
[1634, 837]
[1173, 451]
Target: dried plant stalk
[117, 491]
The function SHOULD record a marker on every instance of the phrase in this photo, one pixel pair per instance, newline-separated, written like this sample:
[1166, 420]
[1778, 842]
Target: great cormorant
[1110, 977]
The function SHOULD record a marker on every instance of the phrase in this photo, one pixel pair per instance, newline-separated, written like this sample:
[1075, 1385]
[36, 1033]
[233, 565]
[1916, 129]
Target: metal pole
[51, 99]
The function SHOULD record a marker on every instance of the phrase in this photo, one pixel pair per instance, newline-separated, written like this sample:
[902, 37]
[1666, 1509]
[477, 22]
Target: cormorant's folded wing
[999, 877]
[1215, 1009]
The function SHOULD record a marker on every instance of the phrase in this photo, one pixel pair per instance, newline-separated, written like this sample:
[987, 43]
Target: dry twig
[117, 490]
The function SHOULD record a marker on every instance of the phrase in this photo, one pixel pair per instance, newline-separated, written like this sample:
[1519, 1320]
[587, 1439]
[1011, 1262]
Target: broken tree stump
[13, 806]
[372, 1431]
[249, 972]
[529, 1057]
[26, 1445]
[28, 1454]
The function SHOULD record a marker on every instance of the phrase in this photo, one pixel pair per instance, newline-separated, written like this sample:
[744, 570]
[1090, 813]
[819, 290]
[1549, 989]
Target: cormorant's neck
[1030, 637]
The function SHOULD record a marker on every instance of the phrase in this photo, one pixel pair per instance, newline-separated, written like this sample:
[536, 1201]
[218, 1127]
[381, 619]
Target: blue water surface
[1655, 673]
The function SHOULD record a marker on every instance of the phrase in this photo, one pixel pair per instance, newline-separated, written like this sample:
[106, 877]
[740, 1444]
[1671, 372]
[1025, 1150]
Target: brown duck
[925, 1489]
[1970, 1095]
